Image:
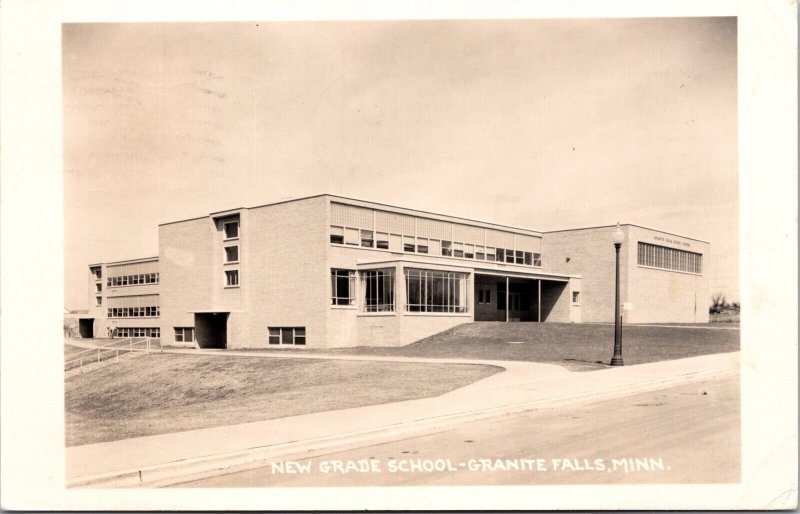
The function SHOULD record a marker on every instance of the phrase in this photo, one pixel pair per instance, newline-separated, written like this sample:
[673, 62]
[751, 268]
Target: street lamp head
[618, 235]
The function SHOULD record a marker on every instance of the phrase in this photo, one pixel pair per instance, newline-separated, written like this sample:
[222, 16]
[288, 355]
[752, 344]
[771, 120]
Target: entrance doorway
[501, 299]
[211, 329]
[86, 328]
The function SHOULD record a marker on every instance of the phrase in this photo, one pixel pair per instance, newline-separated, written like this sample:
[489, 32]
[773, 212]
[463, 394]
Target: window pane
[366, 239]
[231, 253]
[286, 336]
[232, 278]
[231, 229]
[274, 335]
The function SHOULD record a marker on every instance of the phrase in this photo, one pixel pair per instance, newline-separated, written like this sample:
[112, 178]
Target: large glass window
[377, 288]
[435, 291]
[654, 256]
[343, 287]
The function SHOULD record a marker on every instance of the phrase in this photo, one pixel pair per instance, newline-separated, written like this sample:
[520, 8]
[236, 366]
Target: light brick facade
[654, 295]
[254, 277]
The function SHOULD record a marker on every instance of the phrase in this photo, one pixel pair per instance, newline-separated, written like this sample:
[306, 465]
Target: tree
[718, 303]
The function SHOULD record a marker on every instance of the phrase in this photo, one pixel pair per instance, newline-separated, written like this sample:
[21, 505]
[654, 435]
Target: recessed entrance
[86, 328]
[499, 298]
[211, 329]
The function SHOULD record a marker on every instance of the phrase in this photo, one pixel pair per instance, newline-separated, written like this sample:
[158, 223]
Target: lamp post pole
[616, 360]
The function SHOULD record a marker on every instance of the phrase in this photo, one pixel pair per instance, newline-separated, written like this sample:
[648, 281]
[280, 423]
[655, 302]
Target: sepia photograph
[391, 252]
[360, 255]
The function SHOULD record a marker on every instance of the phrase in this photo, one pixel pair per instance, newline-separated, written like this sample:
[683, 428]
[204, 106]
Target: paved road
[684, 434]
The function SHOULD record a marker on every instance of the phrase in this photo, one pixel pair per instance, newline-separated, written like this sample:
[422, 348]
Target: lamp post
[618, 237]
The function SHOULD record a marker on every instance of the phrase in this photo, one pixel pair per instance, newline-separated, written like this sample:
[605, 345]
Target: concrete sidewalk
[172, 458]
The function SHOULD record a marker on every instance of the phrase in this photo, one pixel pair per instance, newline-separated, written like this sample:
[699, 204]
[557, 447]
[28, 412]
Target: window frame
[231, 273]
[227, 256]
[225, 235]
[378, 290]
[336, 299]
[277, 336]
[430, 291]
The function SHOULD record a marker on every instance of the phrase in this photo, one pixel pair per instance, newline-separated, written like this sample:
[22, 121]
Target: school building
[328, 271]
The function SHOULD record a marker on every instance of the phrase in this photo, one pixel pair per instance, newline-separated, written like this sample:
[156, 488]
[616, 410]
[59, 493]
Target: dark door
[86, 328]
[211, 329]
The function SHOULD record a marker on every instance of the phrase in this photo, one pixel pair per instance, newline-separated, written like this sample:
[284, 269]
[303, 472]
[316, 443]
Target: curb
[176, 472]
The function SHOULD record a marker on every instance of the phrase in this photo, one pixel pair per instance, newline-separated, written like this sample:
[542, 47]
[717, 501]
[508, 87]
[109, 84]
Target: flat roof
[365, 203]
[627, 225]
[127, 261]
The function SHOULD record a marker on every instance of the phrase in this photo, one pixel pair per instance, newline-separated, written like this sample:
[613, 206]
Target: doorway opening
[86, 328]
[211, 329]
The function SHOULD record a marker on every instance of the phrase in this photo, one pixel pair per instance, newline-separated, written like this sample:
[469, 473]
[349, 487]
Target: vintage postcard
[410, 259]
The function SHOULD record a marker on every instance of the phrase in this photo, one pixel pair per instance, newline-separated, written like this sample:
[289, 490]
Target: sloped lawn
[161, 393]
[576, 346]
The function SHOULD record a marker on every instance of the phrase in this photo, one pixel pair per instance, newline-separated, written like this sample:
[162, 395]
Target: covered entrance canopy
[505, 297]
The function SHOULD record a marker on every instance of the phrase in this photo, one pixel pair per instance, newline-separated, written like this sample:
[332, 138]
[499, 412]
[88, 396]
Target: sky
[542, 124]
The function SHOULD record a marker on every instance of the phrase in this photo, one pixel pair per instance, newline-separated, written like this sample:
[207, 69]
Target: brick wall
[590, 254]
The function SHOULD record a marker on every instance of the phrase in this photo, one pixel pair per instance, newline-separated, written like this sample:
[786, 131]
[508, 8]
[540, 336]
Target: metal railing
[112, 350]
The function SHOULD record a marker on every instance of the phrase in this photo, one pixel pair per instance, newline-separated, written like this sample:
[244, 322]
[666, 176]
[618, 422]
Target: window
[98, 301]
[408, 247]
[287, 335]
[136, 332]
[378, 290]
[131, 280]
[184, 334]
[529, 258]
[537, 259]
[366, 239]
[232, 278]
[231, 254]
[484, 296]
[382, 241]
[490, 253]
[510, 256]
[422, 249]
[231, 229]
[446, 248]
[576, 297]
[520, 257]
[662, 257]
[274, 335]
[500, 254]
[98, 273]
[435, 291]
[351, 236]
[98, 287]
[343, 287]
[337, 235]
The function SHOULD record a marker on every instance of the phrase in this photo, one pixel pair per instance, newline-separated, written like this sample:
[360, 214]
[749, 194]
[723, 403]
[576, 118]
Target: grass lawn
[576, 346]
[72, 350]
[161, 393]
